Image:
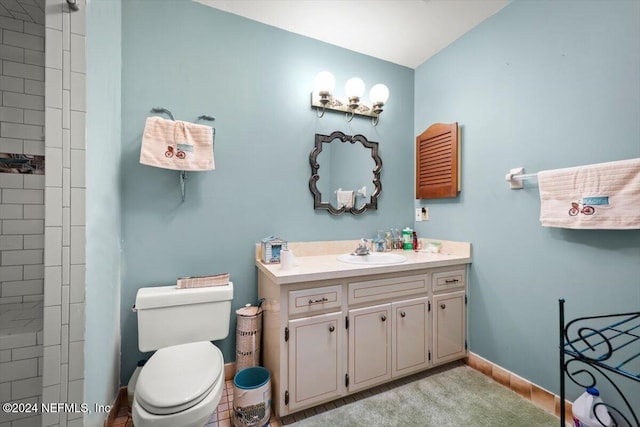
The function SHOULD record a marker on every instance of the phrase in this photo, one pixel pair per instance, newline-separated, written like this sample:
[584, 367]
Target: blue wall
[256, 80]
[102, 340]
[541, 85]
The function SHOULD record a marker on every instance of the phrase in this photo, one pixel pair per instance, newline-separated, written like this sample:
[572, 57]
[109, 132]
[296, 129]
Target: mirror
[349, 165]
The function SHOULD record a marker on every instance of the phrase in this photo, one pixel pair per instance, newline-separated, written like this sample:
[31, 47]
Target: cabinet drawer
[448, 280]
[376, 290]
[316, 299]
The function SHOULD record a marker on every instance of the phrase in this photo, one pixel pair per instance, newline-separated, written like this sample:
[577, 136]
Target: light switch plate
[418, 214]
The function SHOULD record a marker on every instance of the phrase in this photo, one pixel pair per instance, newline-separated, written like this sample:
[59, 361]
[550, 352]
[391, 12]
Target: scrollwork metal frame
[594, 361]
[313, 161]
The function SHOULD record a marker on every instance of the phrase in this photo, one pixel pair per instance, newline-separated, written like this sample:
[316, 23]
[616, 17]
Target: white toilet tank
[170, 316]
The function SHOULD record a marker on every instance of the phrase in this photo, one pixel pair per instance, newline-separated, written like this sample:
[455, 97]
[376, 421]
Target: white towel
[599, 196]
[177, 145]
[345, 199]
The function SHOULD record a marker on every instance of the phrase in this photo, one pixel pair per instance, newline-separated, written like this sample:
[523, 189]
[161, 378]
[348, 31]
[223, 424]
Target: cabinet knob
[443, 306]
[403, 314]
[383, 318]
[332, 328]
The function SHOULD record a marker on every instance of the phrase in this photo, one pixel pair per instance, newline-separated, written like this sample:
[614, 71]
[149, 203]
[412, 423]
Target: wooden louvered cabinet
[437, 162]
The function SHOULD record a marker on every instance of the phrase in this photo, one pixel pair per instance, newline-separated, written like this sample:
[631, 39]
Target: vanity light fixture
[322, 97]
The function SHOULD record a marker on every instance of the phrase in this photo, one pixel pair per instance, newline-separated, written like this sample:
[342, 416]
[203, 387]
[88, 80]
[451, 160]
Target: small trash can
[251, 397]
[248, 336]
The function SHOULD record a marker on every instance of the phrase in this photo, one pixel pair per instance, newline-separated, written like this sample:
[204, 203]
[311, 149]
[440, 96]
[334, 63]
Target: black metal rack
[602, 347]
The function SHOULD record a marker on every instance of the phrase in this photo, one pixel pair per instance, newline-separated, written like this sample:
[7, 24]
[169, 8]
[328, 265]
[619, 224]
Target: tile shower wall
[22, 59]
[64, 252]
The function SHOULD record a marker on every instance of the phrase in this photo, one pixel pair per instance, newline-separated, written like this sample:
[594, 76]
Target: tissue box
[271, 247]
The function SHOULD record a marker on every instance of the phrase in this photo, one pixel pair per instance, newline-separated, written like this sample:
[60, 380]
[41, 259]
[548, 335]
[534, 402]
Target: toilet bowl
[179, 386]
[182, 383]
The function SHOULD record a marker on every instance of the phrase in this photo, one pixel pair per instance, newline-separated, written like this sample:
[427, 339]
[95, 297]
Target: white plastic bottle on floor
[584, 407]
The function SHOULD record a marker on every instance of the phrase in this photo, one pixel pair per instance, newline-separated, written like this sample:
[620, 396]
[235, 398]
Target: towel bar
[516, 176]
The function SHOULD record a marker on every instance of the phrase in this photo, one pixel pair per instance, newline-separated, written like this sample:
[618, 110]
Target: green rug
[456, 397]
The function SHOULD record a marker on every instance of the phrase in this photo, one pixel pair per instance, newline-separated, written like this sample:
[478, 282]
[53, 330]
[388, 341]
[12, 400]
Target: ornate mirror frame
[313, 157]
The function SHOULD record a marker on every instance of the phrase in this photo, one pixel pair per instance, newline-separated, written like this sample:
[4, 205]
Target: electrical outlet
[424, 214]
[418, 214]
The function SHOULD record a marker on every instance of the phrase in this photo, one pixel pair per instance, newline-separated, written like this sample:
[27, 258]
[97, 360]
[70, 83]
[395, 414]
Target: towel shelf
[183, 174]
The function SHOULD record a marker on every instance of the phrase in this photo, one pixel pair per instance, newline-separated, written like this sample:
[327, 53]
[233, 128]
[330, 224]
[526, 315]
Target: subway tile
[51, 372]
[66, 109]
[78, 91]
[53, 19]
[36, 29]
[78, 53]
[10, 145]
[33, 57]
[22, 100]
[53, 246]
[53, 54]
[22, 226]
[66, 251]
[11, 24]
[18, 370]
[25, 71]
[53, 126]
[76, 360]
[9, 114]
[65, 303]
[77, 244]
[34, 212]
[64, 379]
[53, 279]
[11, 300]
[11, 273]
[78, 129]
[11, 180]
[5, 356]
[53, 206]
[24, 287]
[66, 68]
[52, 318]
[34, 241]
[53, 88]
[66, 148]
[32, 272]
[18, 130]
[34, 87]
[26, 388]
[53, 174]
[50, 394]
[64, 354]
[78, 22]
[66, 188]
[76, 392]
[32, 298]
[66, 33]
[5, 395]
[10, 83]
[15, 341]
[11, 211]
[35, 182]
[33, 117]
[11, 243]
[66, 226]
[77, 168]
[34, 147]
[77, 283]
[27, 196]
[34, 351]
[78, 206]
[20, 39]
[76, 322]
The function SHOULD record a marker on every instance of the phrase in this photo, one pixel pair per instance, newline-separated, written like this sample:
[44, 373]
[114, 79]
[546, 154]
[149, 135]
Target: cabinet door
[315, 360]
[369, 346]
[448, 327]
[410, 336]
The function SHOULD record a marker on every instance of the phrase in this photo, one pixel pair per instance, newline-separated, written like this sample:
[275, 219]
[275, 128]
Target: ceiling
[405, 32]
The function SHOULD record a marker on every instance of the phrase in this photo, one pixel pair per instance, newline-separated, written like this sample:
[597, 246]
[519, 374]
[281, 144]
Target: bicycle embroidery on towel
[585, 209]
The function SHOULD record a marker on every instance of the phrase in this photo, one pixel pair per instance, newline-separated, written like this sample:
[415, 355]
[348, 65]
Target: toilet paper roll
[287, 260]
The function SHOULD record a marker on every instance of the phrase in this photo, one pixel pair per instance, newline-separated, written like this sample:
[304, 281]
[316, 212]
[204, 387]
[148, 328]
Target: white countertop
[319, 261]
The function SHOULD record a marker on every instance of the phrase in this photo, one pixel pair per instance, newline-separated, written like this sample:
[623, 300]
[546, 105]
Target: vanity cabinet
[328, 338]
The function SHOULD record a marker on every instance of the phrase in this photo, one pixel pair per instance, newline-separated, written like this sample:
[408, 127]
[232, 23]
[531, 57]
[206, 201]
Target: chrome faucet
[362, 248]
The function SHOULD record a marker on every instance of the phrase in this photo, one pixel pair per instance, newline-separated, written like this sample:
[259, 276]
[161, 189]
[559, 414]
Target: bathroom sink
[374, 258]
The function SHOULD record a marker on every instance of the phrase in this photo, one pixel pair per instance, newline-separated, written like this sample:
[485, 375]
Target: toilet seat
[179, 377]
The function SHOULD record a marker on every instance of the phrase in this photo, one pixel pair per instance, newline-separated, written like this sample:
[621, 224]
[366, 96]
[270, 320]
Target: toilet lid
[178, 377]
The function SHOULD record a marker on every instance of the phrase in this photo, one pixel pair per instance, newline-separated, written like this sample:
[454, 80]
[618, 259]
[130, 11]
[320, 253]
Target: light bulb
[354, 87]
[379, 94]
[324, 82]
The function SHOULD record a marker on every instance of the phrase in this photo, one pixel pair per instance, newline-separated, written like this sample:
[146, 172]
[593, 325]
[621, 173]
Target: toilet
[182, 383]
